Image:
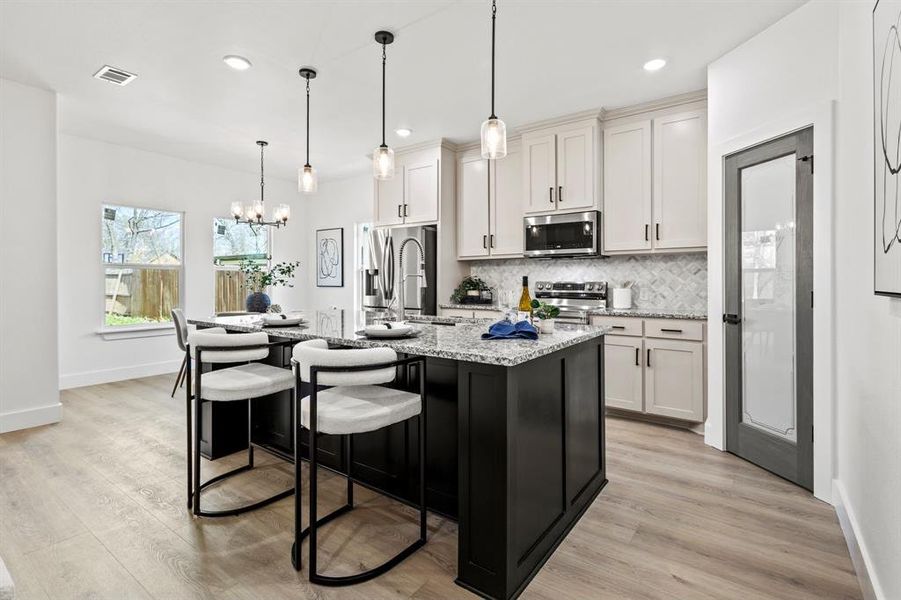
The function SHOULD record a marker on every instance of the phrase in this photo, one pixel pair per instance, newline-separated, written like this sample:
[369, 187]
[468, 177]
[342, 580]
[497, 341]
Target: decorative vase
[546, 326]
[258, 302]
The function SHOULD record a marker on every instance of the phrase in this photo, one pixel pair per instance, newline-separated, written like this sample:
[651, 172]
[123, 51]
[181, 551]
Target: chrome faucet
[401, 291]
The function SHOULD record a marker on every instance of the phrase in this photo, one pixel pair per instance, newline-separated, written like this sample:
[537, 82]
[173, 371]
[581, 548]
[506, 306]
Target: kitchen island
[515, 444]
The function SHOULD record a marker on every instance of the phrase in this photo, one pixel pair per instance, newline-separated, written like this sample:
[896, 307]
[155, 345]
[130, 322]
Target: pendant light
[494, 132]
[255, 214]
[383, 156]
[306, 177]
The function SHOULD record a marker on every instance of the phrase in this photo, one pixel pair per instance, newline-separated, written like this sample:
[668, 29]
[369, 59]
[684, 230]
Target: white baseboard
[74, 380]
[30, 417]
[869, 584]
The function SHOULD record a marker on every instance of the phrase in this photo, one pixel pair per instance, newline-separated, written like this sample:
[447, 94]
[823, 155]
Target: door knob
[731, 319]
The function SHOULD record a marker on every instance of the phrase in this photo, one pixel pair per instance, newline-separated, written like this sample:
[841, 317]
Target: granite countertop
[470, 306]
[455, 340]
[651, 313]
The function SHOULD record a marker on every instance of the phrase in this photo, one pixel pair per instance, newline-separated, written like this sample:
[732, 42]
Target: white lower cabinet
[674, 379]
[655, 366]
[623, 379]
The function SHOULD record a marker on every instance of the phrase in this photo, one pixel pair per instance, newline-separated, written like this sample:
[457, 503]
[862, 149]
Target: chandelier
[254, 214]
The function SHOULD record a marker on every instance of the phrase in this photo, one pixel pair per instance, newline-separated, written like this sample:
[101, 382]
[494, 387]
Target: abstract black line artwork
[887, 145]
[330, 257]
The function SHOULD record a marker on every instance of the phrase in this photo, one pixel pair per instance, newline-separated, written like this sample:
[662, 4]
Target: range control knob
[539, 285]
[590, 286]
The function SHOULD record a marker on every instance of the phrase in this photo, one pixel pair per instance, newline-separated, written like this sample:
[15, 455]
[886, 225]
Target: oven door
[574, 234]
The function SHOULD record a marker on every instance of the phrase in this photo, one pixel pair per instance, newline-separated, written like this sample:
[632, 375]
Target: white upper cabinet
[472, 207]
[489, 206]
[627, 187]
[559, 168]
[539, 174]
[389, 198]
[421, 192]
[506, 205]
[680, 181]
[655, 184]
[575, 168]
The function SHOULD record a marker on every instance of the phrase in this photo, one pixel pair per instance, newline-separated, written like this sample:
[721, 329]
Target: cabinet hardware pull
[405, 209]
[550, 194]
[491, 241]
[670, 330]
[618, 327]
[649, 357]
[559, 193]
[731, 319]
[637, 364]
[485, 242]
[657, 231]
[646, 227]
[398, 212]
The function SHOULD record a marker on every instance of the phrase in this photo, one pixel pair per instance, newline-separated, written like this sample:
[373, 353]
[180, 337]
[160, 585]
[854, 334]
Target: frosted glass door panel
[768, 297]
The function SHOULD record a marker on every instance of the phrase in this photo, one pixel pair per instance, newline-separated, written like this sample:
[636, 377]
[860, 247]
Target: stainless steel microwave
[572, 234]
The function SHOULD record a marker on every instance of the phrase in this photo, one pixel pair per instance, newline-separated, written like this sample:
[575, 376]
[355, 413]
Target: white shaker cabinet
[627, 187]
[559, 168]
[389, 199]
[680, 181]
[539, 174]
[421, 192]
[575, 168]
[674, 379]
[506, 236]
[623, 375]
[472, 207]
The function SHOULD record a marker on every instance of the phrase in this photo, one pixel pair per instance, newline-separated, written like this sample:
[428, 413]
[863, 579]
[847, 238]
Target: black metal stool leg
[189, 429]
[181, 372]
[198, 408]
[348, 454]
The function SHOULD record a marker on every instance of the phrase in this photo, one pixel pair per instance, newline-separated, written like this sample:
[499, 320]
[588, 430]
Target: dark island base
[516, 454]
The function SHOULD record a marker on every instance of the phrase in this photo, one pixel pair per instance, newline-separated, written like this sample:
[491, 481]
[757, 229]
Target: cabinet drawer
[620, 325]
[674, 329]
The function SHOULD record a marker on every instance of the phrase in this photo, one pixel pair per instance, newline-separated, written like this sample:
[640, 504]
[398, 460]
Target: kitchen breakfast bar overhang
[515, 436]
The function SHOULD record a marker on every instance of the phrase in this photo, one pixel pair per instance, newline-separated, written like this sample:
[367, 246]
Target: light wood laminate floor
[94, 507]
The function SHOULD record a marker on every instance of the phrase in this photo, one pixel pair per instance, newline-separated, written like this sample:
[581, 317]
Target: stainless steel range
[575, 299]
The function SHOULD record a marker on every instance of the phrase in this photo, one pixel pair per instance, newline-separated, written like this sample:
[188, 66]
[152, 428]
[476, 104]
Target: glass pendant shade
[237, 210]
[383, 163]
[258, 210]
[307, 181]
[494, 139]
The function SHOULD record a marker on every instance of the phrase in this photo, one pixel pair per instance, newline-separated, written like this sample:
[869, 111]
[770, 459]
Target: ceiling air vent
[114, 75]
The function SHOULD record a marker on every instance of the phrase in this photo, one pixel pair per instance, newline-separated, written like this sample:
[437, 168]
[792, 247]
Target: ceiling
[553, 58]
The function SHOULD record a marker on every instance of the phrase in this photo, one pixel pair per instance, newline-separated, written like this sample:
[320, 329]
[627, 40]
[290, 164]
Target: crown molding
[660, 104]
[592, 113]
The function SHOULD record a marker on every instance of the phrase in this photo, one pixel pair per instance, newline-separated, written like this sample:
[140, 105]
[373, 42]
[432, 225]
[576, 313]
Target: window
[234, 243]
[142, 262]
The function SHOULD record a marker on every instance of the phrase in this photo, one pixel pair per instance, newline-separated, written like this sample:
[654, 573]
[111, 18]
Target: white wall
[29, 394]
[815, 66]
[93, 173]
[338, 203]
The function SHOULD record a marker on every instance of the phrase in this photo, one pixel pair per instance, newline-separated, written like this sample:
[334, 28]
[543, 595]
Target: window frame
[142, 329]
[233, 268]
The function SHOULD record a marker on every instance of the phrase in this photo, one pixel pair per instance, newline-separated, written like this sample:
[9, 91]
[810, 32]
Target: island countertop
[452, 339]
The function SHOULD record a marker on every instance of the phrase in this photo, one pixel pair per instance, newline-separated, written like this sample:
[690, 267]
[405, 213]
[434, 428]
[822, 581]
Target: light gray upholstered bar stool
[357, 404]
[182, 329]
[240, 382]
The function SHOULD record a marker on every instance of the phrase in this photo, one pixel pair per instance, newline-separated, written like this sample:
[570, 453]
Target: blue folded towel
[505, 330]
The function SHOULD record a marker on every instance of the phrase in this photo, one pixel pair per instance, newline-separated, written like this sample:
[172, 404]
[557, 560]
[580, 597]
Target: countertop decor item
[255, 215]
[505, 330]
[383, 156]
[622, 296]
[330, 257]
[546, 314]
[472, 290]
[307, 180]
[257, 279]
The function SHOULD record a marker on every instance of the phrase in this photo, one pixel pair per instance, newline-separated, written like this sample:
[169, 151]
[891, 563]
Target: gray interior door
[768, 316]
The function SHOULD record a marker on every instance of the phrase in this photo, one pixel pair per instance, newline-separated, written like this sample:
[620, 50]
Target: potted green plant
[546, 314]
[471, 287]
[258, 278]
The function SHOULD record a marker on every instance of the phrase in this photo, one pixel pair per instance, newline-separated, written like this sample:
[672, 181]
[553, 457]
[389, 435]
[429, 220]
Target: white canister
[622, 297]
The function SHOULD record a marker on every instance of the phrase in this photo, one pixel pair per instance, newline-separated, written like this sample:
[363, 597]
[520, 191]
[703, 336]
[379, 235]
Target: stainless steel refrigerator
[381, 269]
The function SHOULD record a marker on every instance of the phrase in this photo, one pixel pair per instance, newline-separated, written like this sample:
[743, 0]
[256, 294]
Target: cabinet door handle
[637, 351]
[405, 209]
[670, 330]
[485, 242]
[550, 194]
[646, 228]
[617, 327]
[559, 193]
[657, 231]
[491, 241]
[398, 212]
[649, 357]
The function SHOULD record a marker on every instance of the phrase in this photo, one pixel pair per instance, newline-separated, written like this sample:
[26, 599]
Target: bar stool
[356, 405]
[240, 382]
[182, 329]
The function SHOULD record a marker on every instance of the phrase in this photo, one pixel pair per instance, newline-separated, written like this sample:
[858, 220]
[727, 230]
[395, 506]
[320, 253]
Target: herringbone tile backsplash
[668, 281]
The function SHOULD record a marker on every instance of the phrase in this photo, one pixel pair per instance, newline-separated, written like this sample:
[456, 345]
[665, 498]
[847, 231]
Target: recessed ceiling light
[403, 132]
[654, 65]
[238, 63]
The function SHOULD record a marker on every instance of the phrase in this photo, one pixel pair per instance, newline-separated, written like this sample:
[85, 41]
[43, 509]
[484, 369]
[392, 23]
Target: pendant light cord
[493, 19]
[384, 60]
[308, 122]
[262, 178]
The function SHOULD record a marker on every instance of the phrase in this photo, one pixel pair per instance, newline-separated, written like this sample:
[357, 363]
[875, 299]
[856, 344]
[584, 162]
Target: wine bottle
[525, 300]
